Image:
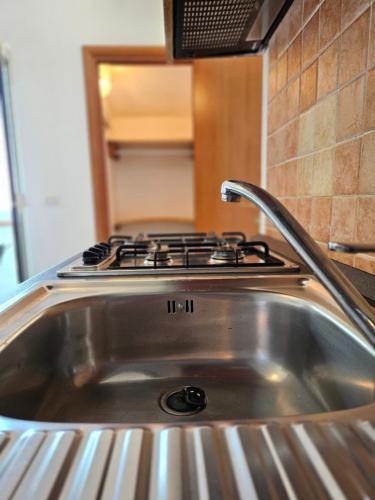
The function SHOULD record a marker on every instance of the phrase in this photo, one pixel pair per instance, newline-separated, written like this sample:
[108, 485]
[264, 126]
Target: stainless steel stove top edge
[76, 269]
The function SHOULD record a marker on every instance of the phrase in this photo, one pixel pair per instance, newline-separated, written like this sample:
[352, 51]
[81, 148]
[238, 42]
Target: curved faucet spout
[345, 294]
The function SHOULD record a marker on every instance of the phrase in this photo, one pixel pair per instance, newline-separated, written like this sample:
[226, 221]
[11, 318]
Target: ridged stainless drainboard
[110, 358]
[238, 462]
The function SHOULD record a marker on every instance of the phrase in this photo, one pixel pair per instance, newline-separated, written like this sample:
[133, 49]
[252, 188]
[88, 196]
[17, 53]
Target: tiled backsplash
[321, 121]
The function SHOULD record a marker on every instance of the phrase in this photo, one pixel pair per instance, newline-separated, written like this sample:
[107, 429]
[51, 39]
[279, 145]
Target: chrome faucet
[345, 294]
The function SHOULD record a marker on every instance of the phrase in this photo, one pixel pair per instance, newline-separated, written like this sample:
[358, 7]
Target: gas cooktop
[177, 253]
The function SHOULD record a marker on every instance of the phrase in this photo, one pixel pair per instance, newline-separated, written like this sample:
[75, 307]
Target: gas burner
[158, 254]
[177, 253]
[227, 253]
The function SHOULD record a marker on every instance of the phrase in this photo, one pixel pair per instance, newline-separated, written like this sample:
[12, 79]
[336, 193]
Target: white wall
[153, 184]
[45, 39]
[150, 128]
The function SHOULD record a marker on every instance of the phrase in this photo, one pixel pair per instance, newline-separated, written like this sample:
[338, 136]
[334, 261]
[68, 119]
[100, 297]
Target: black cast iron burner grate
[134, 253]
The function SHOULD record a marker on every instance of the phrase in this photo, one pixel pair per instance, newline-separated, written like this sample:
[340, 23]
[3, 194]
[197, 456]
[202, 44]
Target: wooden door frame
[94, 55]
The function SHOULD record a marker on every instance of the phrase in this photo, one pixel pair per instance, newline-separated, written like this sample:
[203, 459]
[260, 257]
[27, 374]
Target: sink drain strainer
[186, 400]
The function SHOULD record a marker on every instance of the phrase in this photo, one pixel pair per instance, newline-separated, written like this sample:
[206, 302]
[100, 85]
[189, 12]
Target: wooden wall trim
[93, 56]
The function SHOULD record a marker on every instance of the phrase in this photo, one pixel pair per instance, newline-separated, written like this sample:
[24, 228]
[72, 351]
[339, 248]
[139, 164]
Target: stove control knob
[108, 246]
[102, 249]
[92, 256]
[97, 250]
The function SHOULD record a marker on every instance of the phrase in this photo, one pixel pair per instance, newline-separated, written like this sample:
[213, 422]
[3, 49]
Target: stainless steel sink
[272, 347]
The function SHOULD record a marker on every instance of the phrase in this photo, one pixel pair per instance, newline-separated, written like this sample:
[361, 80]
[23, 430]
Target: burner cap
[226, 253]
[158, 255]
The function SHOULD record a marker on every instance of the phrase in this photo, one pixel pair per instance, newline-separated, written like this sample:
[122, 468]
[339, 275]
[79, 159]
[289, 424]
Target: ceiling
[148, 90]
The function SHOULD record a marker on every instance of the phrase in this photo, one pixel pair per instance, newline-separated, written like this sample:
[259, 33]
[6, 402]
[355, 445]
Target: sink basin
[110, 358]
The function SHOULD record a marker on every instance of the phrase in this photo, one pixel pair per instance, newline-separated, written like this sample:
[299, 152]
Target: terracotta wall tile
[277, 112]
[272, 149]
[308, 87]
[279, 180]
[281, 144]
[290, 174]
[282, 36]
[323, 173]
[310, 40]
[353, 49]
[282, 72]
[272, 181]
[308, 7]
[351, 9]
[370, 101]
[371, 61]
[291, 205]
[321, 218]
[283, 106]
[294, 57]
[295, 19]
[327, 70]
[273, 50]
[322, 108]
[346, 169]
[330, 13]
[325, 122]
[282, 179]
[271, 184]
[343, 218]
[292, 99]
[271, 146]
[305, 175]
[272, 82]
[304, 212]
[365, 263]
[366, 219]
[275, 148]
[272, 115]
[291, 139]
[367, 169]
[350, 109]
[306, 132]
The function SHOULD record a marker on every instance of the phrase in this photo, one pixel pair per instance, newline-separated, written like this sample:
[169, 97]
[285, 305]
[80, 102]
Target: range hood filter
[208, 28]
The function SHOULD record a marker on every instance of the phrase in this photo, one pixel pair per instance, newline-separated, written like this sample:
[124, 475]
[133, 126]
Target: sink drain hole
[186, 400]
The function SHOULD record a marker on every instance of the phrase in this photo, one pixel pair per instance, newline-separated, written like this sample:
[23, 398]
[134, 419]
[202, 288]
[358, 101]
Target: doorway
[148, 130]
[225, 142]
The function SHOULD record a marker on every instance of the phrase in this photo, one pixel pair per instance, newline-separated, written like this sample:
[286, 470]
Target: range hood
[209, 28]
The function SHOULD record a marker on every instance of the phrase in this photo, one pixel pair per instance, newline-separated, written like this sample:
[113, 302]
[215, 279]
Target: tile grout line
[324, 149]
[312, 109]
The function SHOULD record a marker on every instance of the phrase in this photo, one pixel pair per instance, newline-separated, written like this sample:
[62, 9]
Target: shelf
[153, 220]
[116, 147]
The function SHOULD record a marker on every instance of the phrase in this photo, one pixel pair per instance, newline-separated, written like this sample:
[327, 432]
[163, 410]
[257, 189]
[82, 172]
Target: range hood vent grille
[207, 28]
[214, 25]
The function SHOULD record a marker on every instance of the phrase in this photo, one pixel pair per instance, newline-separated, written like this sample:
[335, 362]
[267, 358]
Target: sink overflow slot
[182, 306]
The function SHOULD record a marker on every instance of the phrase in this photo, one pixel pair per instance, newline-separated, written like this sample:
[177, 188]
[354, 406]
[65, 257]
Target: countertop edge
[364, 282]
